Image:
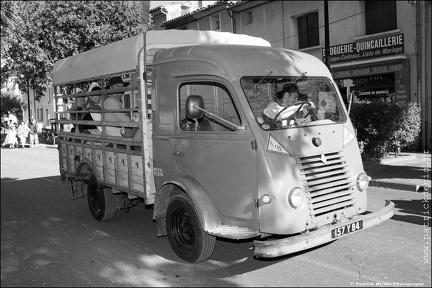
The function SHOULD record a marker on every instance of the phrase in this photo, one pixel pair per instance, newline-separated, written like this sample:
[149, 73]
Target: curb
[398, 159]
[408, 186]
[390, 160]
[395, 186]
[51, 146]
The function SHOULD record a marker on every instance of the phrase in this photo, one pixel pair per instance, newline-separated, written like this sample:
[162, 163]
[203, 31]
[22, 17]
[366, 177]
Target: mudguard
[183, 183]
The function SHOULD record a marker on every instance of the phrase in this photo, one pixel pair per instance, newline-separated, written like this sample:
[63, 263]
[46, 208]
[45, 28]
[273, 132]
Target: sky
[154, 4]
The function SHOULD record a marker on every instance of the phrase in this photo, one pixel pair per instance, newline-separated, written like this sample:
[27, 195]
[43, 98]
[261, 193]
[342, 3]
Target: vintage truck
[204, 156]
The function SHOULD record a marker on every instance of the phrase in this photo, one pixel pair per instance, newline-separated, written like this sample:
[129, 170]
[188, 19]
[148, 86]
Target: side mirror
[192, 102]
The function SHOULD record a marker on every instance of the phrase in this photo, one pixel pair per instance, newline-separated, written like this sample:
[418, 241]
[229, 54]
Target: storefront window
[369, 88]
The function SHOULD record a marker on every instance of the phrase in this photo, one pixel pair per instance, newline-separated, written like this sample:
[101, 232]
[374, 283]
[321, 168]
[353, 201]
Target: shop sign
[379, 47]
[373, 92]
[369, 70]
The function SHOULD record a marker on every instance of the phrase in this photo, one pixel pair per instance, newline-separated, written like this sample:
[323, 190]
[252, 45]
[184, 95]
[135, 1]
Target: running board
[233, 232]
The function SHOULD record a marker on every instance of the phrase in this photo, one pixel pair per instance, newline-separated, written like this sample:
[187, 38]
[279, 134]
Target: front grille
[327, 181]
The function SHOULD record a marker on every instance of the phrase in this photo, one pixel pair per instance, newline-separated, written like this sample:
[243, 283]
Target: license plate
[346, 229]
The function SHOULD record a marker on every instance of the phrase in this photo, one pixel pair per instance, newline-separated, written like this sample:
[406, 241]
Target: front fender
[184, 183]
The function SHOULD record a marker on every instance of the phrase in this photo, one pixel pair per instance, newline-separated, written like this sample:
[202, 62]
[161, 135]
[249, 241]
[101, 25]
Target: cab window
[218, 105]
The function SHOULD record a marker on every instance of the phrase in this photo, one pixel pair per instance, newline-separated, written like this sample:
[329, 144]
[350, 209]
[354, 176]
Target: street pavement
[49, 240]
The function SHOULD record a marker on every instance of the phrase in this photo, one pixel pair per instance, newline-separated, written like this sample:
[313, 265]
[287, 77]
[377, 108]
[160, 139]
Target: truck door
[217, 155]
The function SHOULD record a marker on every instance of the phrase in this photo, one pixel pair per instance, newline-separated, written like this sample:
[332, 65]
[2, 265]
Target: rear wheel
[185, 235]
[101, 201]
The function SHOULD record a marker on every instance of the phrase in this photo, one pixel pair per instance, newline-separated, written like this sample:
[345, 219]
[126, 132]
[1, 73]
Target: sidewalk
[410, 171]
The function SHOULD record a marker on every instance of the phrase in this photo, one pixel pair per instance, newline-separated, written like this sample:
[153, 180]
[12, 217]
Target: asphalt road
[49, 240]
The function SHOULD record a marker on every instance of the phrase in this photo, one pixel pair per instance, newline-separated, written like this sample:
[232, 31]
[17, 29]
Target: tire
[101, 201]
[185, 234]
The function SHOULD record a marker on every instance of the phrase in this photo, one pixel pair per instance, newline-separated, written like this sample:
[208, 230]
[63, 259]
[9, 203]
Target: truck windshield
[289, 102]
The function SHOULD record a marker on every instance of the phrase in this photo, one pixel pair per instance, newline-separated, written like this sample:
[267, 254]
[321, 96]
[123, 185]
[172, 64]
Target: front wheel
[101, 201]
[185, 234]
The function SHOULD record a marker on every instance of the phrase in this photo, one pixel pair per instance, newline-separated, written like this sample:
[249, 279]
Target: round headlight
[296, 197]
[362, 181]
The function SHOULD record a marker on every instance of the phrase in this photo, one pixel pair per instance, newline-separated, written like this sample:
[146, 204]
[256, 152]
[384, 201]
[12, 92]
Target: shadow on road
[47, 239]
[414, 211]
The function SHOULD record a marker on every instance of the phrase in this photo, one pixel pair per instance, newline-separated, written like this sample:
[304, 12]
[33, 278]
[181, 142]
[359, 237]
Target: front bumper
[285, 246]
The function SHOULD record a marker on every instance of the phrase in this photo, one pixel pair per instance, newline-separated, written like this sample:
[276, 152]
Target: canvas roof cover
[121, 56]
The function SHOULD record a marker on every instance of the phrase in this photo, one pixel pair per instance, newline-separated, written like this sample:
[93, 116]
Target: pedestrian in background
[33, 133]
[23, 133]
[11, 137]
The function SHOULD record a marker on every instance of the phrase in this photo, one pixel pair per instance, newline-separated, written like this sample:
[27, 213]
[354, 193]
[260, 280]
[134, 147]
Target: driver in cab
[285, 105]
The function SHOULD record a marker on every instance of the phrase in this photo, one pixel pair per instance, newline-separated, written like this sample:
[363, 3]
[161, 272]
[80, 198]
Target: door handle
[178, 153]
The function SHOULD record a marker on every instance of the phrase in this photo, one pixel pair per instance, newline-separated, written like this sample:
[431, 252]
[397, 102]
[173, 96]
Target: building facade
[377, 49]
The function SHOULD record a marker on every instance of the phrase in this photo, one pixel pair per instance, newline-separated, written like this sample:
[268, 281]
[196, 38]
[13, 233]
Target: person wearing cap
[113, 102]
[287, 97]
[78, 102]
[93, 100]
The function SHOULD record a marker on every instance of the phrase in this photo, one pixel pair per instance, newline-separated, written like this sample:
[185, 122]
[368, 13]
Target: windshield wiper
[268, 74]
[295, 80]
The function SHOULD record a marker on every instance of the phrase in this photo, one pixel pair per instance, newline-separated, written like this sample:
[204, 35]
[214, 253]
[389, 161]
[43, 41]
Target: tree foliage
[407, 128]
[9, 21]
[11, 104]
[44, 32]
[383, 127]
